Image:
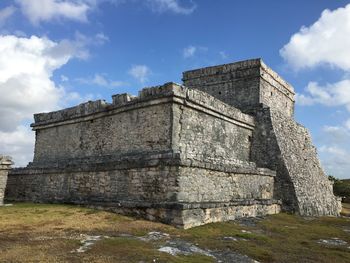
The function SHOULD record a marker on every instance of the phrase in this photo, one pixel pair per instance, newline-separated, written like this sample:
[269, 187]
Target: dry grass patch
[346, 209]
[51, 233]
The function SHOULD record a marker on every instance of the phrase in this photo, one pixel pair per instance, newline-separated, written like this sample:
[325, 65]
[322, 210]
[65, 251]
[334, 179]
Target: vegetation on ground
[52, 233]
[341, 188]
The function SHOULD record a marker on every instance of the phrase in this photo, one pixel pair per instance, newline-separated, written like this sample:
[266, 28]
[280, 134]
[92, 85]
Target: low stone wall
[155, 182]
[163, 188]
[5, 166]
[187, 215]
[203, 185]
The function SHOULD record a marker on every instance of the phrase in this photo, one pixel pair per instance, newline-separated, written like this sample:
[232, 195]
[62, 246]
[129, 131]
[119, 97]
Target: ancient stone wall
[180, 195]
[5, 166]
[153, 184]
[283, 145]
[278, 142]
[119, 131]
[161, 119]
[196, 162]
[203, 137]
[244, 85]
[203, 185]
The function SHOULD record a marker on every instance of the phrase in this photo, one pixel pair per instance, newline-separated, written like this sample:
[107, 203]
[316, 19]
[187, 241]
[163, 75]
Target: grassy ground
[51, 233]
[346, 209]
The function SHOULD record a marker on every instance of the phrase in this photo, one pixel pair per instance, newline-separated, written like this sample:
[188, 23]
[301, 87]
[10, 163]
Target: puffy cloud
[174, 6]
[189, 51]
[223, 55]
[334, 151]
[19, 144]
[26, 68]
[64, 78]
[335, 160]
[347, 124]
[140, 72]
[47, 10]
[335, 94]
[6, 13]
[326, 41]
[335, 135]
[101, 80]
[78, 10]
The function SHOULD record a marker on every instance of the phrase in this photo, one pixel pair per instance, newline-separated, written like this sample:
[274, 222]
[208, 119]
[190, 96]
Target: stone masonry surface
[221, 147]
[5, 166]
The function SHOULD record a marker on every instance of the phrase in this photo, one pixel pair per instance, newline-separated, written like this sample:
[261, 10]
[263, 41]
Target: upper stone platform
[126, 102]
[244, 85]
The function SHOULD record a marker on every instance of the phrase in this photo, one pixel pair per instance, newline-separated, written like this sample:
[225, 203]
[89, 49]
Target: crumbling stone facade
[215, 149]
[5, 166]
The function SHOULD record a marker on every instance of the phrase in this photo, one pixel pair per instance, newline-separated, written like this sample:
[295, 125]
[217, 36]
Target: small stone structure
[223, 145]
[5, 166]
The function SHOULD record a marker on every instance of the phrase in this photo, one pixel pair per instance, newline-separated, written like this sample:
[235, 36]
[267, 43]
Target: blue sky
[58, 53]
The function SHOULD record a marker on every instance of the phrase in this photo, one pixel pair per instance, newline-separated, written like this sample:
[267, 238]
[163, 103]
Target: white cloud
[101, 39]
[26, 68]
[327, 41]
[38, 11]
[64, 78]
[19, 144]
[174, 6]
[334, 151]
[223, 55]
[6, 13]
[140, 72]
[101, 80]
[336, 135]
[335, 94]
[335, 159]
[79, 45]
[347, 124]
[189, 51]
[47, 10]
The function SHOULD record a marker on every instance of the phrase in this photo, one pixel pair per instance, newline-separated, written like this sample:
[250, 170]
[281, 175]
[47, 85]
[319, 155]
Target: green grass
[48, 233]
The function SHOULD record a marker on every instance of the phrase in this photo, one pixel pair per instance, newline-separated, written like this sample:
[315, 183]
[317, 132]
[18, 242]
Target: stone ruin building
[221, 146]
[5, 166]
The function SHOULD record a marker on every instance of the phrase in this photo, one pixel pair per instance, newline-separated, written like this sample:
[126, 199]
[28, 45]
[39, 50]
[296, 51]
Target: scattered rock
[231, 238]
[234, 239]
[332, 242]
[185, 248]
[172, 251]
[180, 247]
[86, 243]
[249, 221]
[154, 236]
[229, 256]
[291, 227]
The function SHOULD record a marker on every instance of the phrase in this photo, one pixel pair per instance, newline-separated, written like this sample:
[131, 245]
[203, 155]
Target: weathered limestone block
[283, 145]
[171, 194]
[244, 85]
[5, 166]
